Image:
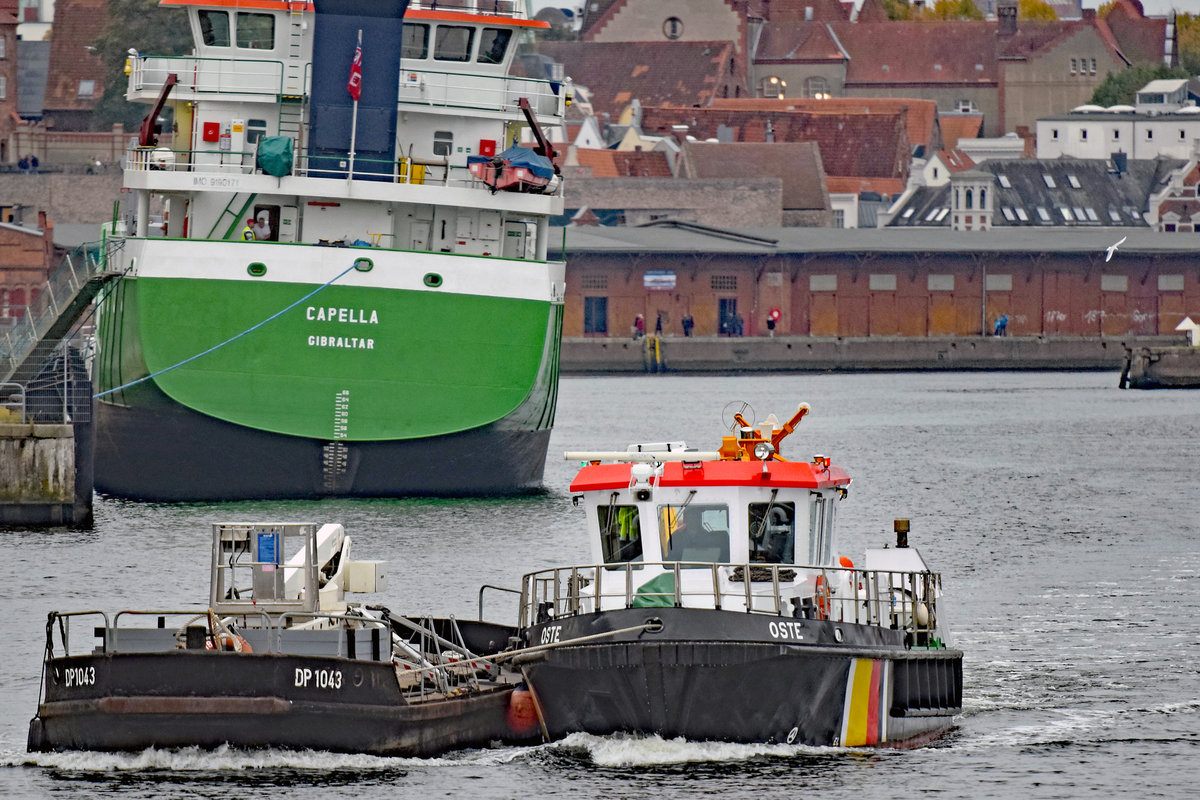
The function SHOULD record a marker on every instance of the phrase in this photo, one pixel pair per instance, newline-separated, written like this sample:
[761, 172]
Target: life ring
[228, 641]
[822, 596]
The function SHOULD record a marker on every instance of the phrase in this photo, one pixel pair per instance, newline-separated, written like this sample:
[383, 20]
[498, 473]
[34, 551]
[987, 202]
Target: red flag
[354, 85]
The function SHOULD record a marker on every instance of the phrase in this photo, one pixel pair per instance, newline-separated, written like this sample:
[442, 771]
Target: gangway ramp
[63, 301]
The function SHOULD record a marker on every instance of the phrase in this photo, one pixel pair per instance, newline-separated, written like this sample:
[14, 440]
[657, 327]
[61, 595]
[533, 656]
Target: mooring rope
[230, 340]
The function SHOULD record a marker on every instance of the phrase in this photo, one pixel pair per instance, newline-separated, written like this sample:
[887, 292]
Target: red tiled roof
[797, 164]
[867, 145]
[956, 160]
[656, 73]
[922, 114]
[955, 127]
[796, 10]
[872, 11]
[624, 163]
[1140, 38]
[918, 53]
[792, 42]
[891, 187]
[77, 23]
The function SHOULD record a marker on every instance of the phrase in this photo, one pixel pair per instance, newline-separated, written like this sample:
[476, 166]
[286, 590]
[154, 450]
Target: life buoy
[822, 596]
[228, 641]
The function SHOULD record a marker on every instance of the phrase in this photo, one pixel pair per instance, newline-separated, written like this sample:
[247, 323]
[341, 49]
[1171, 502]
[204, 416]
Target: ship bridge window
[453, 43]
[820, 543]
[773, 533]
[493, 42]
[416, 41]
[694, 533]
[214, 28]
[256, 31]
[620, 534]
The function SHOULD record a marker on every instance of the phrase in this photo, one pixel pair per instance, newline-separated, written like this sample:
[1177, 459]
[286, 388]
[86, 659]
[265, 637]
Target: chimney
[1006, 17]
[41, 220]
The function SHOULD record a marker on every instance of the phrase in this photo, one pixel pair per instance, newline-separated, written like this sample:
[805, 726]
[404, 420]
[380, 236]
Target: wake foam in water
[645, 751]
[225, 759]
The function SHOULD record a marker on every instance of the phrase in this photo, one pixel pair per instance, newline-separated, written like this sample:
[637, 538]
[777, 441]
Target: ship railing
[404, 169]
[321, 634]
[497, 8]
[442, 89]
[905, 601]
[166, 159]
[206, 75]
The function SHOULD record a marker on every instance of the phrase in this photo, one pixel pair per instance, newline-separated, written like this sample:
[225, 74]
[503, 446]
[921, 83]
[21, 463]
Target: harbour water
[1063, 513]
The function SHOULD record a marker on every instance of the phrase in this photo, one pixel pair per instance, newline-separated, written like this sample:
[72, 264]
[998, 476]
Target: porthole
[364, 264]
[433, 280]
[257, 269]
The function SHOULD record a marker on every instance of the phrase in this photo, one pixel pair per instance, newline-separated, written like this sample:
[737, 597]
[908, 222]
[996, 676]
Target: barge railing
[271, 634]
[904, 601]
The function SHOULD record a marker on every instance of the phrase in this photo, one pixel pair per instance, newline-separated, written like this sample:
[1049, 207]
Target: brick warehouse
[862, 283]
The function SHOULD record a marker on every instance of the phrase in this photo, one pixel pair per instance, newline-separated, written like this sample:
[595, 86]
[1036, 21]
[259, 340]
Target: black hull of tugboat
[134, 701]
[732, 676]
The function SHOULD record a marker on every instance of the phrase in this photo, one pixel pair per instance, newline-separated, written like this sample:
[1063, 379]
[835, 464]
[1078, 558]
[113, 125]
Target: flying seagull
[1112, 248]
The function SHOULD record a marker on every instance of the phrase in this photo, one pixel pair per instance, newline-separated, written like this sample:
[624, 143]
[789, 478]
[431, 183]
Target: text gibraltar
[331, 314]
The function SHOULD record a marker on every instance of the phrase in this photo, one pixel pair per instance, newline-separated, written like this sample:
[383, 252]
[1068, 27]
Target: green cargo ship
[343, 297]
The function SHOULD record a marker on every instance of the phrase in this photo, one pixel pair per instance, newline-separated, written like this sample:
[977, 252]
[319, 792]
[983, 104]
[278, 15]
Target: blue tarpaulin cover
[518, 156]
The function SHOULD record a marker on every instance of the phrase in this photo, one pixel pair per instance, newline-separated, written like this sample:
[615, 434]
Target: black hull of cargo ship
[135, 701]
[170, 453]
[710, 675]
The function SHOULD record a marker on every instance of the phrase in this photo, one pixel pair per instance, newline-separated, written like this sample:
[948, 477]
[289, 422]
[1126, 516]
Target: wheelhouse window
[694, 532]
[453, 43]
[820, 543]
[772, 531]
[214, 28]
[256, 31]
[620, 534]
[493, 42]
[416, 41]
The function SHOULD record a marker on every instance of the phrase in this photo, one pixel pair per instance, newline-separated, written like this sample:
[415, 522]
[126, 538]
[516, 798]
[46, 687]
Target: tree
[147, 27]
[1120, 88]
[1037, 10]
[1187, 27]
[898, 9]
[953, 9]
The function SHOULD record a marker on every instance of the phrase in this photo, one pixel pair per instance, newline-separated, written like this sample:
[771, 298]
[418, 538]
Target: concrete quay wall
[812, 354]
[39, 477]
